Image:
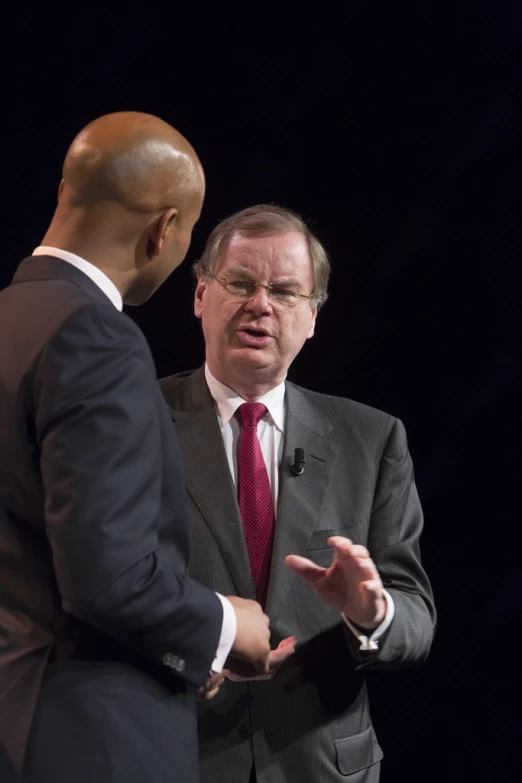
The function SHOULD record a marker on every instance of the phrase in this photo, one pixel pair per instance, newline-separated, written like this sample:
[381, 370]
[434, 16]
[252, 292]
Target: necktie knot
[251, 413]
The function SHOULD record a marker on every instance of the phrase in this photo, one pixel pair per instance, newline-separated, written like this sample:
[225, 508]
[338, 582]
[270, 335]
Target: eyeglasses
[245, 290]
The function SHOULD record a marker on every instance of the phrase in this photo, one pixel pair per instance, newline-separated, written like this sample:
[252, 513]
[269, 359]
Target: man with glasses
[289, 487]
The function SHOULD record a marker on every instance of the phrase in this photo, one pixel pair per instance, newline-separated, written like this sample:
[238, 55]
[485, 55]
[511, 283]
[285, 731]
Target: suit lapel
[208, 476]
[300, 497]
[211, 487]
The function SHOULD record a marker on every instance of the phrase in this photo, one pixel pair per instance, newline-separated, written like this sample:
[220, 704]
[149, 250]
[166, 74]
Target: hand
[252, 642]
[244, 672]
[351, 585]
[211, 687]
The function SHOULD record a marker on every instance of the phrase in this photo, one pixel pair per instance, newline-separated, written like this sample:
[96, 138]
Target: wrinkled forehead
[273, 255]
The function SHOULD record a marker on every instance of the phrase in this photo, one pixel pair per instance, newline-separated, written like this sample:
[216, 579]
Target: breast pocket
[319, 539]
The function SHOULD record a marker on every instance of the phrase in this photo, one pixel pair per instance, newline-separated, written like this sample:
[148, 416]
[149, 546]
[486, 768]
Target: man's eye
[240, 285]
[284, 293]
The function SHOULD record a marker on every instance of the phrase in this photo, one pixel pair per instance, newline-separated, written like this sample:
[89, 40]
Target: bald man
[104, 638]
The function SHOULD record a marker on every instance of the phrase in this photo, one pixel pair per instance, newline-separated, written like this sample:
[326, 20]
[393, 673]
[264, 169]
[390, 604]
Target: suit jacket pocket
[357, 752]
[319, 539]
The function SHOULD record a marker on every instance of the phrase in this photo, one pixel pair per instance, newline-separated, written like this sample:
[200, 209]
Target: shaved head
[133, 159]
[132, 189]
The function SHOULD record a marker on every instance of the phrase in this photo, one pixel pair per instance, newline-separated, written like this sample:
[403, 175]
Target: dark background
[396, 129]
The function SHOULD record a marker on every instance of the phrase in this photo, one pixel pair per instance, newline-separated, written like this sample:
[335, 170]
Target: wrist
[368, 626]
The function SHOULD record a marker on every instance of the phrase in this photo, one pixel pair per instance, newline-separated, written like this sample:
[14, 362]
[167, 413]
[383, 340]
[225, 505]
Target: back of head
[132, 159]
[264, 220]
[131, 191]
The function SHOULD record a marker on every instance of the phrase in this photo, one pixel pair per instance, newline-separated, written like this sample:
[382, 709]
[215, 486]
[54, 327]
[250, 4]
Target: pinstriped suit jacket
[311, 722]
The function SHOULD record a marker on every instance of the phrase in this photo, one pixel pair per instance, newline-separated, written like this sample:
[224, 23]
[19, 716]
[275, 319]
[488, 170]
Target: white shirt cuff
[372, 642]
[228, 634]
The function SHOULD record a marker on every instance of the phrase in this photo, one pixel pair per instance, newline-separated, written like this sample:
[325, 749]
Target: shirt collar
[96, 275]
[228, 401]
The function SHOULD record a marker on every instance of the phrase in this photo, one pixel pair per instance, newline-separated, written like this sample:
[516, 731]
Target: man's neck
[249, 386]
[94, 255]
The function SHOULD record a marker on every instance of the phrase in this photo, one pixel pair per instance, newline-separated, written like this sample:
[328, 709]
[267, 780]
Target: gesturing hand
[243, 672]
[252, 642]
[351, 585]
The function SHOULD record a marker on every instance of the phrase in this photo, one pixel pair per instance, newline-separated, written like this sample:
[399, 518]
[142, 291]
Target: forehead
[281, 254]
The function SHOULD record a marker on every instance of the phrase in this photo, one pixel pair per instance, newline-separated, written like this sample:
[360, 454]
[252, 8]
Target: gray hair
[263, 220]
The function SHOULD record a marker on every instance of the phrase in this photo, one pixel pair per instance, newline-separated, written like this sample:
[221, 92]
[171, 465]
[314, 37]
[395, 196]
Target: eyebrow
[234, 270]
[288, 282]
[237, 270]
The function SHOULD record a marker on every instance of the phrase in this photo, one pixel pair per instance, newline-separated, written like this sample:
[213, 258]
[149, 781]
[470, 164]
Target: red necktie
[255, 498]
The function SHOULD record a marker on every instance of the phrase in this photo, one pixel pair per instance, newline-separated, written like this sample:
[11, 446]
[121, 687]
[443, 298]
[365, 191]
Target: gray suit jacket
[311, 722]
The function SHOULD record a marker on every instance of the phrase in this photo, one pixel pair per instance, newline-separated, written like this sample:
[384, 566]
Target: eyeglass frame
[267, 286]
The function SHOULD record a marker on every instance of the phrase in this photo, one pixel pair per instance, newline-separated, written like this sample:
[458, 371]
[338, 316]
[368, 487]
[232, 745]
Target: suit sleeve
[395, 529]
[96, 398]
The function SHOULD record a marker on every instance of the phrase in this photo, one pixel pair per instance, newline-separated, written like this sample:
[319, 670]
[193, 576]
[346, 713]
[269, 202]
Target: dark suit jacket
[103, 635]
[311, 722]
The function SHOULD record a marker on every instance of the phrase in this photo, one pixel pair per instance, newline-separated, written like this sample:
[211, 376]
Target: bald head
[132, 159]
[131, 192]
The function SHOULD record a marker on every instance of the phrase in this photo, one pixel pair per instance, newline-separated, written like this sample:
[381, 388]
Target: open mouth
[256, 338]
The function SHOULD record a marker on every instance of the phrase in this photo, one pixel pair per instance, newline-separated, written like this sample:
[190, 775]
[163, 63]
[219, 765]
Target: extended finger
[341, 546]
[360, 551]
[286, 644]
[211, 694]
[345, 550]
[250, 678]
[284, 650]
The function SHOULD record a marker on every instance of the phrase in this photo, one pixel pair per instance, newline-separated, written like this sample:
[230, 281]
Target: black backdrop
[396, 129]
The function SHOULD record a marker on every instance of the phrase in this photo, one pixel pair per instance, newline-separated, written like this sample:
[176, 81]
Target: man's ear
[60, 188]
[198, 296]
[160, 230]
[312, 325]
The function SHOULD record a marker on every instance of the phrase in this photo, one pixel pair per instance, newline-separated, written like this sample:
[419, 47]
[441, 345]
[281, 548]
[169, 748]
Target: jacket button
[244, 731]
[173, 662]
[168, 659]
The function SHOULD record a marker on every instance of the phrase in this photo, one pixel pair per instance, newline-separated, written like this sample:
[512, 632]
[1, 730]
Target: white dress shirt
[270, 431]
[96, 275]
[229, 625]
[270, 428]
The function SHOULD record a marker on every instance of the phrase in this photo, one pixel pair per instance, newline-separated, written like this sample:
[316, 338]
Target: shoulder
[347, 418]
[100, 321]
[58, 305]
[181, 388]
[342, 406]
[97, 356]
[99, 337]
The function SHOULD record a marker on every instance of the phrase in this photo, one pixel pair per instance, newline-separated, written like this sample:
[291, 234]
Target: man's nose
[260, 302]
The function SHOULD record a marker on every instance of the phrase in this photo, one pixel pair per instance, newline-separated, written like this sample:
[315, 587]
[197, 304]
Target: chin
[133, 300]
[140, 294]
[255, 357]
[257, 365]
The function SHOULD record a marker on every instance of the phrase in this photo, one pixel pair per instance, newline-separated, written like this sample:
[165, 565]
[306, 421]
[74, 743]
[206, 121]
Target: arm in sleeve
[370, 640]
[228, 634]
[395, 528]
[97, 422]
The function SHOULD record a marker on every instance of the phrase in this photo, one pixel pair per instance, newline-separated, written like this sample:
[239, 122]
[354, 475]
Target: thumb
[284, 650]
[373, 587]
[304, 568]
